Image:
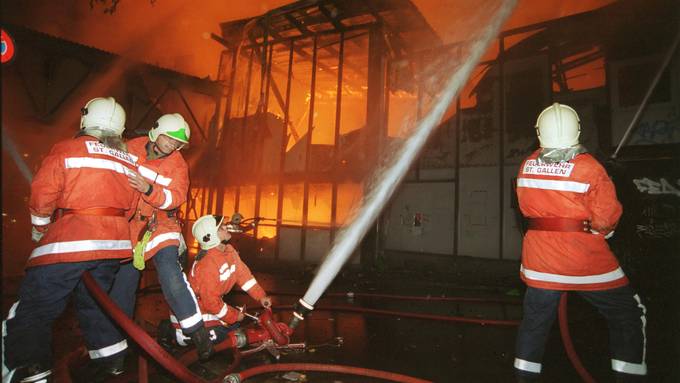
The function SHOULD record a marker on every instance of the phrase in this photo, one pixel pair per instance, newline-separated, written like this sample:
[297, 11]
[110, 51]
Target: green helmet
[171, 125]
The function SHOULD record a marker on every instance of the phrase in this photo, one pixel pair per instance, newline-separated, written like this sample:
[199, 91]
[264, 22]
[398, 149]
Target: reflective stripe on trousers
[622, 309]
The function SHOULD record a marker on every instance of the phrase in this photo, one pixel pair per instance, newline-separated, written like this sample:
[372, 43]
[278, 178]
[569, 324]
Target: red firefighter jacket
[77, 174]
[579, 189]
[169, 177]
[214, 275]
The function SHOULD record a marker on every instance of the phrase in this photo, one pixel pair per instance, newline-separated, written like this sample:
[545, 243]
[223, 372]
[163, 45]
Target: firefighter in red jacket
[83, 183]
[162, 179]
[571, 207]
[217, 268]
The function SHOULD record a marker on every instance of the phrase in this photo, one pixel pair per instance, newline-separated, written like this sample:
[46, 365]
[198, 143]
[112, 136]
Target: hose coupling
[232, 378]
[300, 311]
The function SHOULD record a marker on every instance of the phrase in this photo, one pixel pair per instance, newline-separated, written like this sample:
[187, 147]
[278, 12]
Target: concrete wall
[421, 217]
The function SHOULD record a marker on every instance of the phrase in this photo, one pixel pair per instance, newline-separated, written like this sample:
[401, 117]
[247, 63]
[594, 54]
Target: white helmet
[558, 127]
[104, 114]
[205, 231]
[171, 125]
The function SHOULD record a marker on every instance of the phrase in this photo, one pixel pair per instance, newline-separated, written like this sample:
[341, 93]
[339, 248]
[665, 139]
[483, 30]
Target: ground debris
[293, 376]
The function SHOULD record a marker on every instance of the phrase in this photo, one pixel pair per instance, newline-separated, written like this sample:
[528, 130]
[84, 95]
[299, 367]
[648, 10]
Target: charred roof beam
[297, 24]
[275, 88]
[397, 48]
[582, 60]
[336, 23]
[300, 51]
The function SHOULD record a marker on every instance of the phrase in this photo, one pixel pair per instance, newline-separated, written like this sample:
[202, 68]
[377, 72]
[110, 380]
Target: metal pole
[456, 192]
[226, 120]
[336, 139]
[240, 149]
[282, 158]
[501, 146]
[643, 104]
[260, 153]
[310, 128]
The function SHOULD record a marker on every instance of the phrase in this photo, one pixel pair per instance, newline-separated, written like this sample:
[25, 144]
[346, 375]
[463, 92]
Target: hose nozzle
[300, 311]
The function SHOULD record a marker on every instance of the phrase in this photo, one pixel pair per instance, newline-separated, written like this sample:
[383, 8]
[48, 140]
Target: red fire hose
[180, 371]
[249, 373]
[351, 294]
[568, 345]
[402, 314]
[140, 336]
[183, 374]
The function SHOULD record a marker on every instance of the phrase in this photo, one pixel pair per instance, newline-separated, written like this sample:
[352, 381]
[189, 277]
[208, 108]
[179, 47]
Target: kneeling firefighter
[216, 269]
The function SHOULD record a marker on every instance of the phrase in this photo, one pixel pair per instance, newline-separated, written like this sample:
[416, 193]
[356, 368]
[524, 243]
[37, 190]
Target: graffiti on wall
[659, 221]
[663, 130]
[659, 216]
[649, 186]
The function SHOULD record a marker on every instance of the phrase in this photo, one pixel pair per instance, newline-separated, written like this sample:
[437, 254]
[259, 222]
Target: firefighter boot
[166, 335]
[204, 346]
[100, 370]
[32, 373]
[114, 365]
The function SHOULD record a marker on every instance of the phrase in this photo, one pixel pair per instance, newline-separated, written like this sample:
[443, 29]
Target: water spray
[387, 178]
[11, 149]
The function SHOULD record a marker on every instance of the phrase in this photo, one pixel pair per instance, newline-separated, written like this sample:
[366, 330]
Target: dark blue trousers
[176, 290]
[621, 307]
[43, 295]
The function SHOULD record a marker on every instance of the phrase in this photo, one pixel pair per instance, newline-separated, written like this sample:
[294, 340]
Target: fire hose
[280, 333]
[277, 331]
[249, 373]
[351, 295]
[568, 345]
[140, 336]
[402, 314]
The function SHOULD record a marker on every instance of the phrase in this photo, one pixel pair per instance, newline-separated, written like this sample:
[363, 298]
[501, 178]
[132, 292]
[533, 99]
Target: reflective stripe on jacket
[81, 173]
[169, 177]
[579, 189]
[215, 275]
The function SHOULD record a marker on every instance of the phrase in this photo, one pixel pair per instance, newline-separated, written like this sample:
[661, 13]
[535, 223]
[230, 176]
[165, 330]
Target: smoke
[169, 33]
[179, 41]
[452, 19]
[386, 179]
[107, 83]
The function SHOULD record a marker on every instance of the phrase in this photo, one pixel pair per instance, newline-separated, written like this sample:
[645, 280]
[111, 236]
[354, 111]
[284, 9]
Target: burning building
[311, 102]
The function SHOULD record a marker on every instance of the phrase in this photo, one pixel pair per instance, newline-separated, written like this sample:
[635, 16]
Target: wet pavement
[432, 350]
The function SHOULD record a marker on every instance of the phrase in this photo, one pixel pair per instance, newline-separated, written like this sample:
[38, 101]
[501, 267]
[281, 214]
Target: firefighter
[79, 201]
[162, 180]
[571, 207]
[216, 269]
